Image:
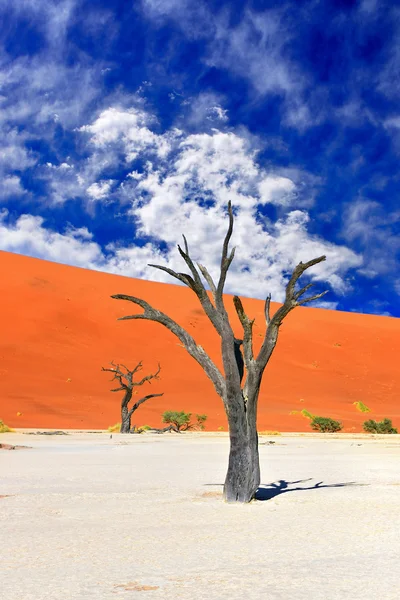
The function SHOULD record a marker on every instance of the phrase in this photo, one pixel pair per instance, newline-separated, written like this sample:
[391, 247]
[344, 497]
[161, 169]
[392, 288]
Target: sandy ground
[86, 516]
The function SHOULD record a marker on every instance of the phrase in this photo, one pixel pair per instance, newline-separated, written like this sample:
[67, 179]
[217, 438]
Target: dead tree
[239, 397]
[127, 385]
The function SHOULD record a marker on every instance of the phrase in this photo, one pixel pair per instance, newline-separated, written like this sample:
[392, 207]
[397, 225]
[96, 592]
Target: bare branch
[125, 379]
[186, 279]
[139, 402]
[299, 270]
[303, 290]
[312, 298]
[291, 301]
[196, 351]
[267, 308]
[195, 283]
[148, 377]
[186, 257]
[225, 260]
[228, 235]
[247, 325]
[118, 375]
[186, 244]
[209, 280]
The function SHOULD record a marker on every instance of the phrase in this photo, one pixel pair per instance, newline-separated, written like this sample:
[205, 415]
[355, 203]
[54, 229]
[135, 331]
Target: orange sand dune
[59, 326]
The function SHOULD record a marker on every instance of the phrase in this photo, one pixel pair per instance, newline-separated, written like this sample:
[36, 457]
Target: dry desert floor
[86, 516]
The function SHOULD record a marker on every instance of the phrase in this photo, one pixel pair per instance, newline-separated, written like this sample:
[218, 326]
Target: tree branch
[196, 351]
[194, 283]
[186, 279]
[267, 308]
[209, 280]
[225, 260]
[247, 325]
[312, 298]
[148, 377]
[299, 270]
[119, 375]
[139, 402]
[125, 379]
[291, 301]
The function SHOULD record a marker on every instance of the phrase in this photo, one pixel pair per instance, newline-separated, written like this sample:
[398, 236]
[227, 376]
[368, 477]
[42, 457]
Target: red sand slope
[58, 327]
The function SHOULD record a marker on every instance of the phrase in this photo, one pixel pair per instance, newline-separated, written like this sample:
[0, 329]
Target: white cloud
[263, 256]
[100, 190]
[28, 235]
[10, 185]
[128, 127]
[217, 113]
[276, 190]
[182, 185]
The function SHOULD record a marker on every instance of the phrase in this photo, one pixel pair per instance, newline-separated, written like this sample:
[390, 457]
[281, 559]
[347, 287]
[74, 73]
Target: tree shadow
[270, 491]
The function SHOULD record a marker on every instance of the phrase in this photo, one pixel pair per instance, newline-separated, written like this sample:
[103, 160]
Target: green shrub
[182, 421]
[384, 426]
[5, 428]
[200, 421]
[325, 425]
[178, 419]
[361, 407]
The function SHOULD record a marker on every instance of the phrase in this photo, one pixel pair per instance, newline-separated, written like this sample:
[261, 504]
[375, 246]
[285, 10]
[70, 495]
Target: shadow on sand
[271, 490]
[267, 492]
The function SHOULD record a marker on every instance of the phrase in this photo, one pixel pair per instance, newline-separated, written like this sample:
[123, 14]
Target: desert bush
[269, 432]
[361, 407]
[115, 428]
[181, 421]
[384, 426]
[5, 428]
[200, 421]
[325, 424]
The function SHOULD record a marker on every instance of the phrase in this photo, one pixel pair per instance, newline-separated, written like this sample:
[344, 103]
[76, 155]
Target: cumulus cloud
[129, 127]
[28, 235]
[99, 190]
[186, 190]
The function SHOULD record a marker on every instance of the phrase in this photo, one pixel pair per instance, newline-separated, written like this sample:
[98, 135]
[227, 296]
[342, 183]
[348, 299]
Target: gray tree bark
[240, 396]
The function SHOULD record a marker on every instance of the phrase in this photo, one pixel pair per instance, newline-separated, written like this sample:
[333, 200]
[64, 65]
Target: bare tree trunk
[126, 414]
[243, 476]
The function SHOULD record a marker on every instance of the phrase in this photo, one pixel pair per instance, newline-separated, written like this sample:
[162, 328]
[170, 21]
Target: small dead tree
[240, 396]
[127, 385]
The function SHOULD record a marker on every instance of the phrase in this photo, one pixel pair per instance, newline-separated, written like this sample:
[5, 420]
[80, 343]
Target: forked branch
[196, 351]
[292, 299]
[195, 283]
[125, 379]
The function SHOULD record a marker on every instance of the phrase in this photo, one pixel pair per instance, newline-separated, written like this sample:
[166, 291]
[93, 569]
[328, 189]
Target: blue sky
[125, 124]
